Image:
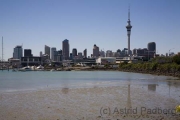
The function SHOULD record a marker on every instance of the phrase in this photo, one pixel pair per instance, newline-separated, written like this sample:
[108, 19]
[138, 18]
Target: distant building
[31, 61]
[162, 55]
[65, 49]
[85, 53]
[124, 52]
[109, 53]
[27, 53]
[178, 53]
[52, 53]
[16, 63]
[47, 50]
[80, 55]
[140, 52]
[171, 54]
[102, 53]
[74, 52]
[116, 54]
[166, 54]
[135, 51]
[86, 61]
[151, 48]
[106, 60]
[71, 56]
[95, 51]
[40, 54]
[118, 51]
[18, 52]
[58, 56]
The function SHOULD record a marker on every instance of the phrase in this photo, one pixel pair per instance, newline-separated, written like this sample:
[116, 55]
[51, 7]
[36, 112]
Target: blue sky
[35, 23]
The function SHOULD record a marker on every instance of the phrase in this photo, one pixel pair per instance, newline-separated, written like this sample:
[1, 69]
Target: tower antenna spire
[129, 12]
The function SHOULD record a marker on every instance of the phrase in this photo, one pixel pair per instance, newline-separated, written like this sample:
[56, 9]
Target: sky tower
[128, 27]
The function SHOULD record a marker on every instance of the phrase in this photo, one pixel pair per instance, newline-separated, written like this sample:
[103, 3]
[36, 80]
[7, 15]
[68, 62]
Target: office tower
[52, 53]
[95, 51]
[109, 53]
[134, 51]
[18, 52]
[47, 50]
[102, 53]
[80, 55]
[71, 56]
[151, 47]
[65, 49]
[118, 51]
[27, 53]
[128, 27]
[85, 53]
[74, 52]
[58, 55]
[40, 54]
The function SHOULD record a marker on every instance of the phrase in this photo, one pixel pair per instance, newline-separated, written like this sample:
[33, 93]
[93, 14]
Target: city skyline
[87, 23]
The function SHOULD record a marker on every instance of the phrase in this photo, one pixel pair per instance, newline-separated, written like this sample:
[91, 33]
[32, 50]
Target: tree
[176, 59]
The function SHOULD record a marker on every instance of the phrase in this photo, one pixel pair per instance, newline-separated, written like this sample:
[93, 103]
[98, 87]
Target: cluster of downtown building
[51, 54]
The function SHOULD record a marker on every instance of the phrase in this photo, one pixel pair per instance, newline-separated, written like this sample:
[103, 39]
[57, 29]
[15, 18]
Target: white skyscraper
[18, 52]
[53, 49]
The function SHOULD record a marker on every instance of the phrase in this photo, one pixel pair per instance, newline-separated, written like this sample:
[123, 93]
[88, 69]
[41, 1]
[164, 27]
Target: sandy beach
[95, 103]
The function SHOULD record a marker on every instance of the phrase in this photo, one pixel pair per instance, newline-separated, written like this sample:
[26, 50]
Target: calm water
[33, 80]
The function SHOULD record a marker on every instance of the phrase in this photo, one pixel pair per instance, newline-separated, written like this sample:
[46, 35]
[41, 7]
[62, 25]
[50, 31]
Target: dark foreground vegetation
[161, 66]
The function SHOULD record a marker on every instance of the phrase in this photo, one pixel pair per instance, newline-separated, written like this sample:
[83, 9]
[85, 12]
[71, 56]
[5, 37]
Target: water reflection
[65, 90]
[129, 97]
[152, 87]
[173, 83]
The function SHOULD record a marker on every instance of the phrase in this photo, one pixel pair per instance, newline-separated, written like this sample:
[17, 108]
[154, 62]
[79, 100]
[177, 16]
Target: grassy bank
[160, 66]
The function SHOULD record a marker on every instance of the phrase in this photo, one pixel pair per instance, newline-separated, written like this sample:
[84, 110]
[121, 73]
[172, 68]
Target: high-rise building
[128, 27]
[65, 49]
[47, 50]
[85, 53]
[40, 54]
[52, 53]
[80, 55]
[71, 56]
[58, 55]
[95, 51]
[74, 52]
[109, 53]
[151, 47]
[27, 53]
[118, 51]
[18, 52]
[102, 53]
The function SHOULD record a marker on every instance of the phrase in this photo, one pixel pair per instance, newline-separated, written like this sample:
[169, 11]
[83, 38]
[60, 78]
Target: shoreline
[133, 71]
[156, 72]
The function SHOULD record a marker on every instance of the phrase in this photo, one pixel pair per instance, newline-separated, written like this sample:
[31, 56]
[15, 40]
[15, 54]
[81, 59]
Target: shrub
[176, 59]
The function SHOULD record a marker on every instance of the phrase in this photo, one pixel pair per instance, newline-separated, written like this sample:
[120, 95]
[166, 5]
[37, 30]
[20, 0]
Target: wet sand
[96, 103]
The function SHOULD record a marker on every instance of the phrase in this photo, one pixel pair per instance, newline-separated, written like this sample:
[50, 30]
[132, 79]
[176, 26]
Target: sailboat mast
[2, 54]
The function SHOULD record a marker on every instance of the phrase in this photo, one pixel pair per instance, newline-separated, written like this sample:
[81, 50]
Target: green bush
[176, 59]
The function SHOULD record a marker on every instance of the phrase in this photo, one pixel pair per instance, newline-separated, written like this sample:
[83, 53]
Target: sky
[36, 23]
